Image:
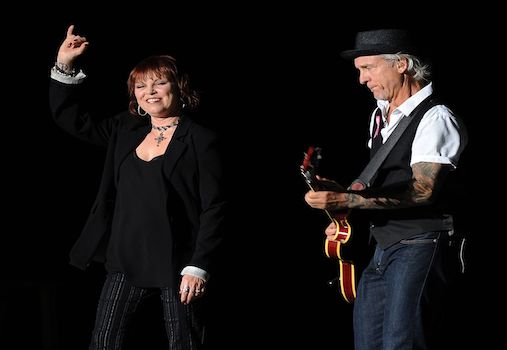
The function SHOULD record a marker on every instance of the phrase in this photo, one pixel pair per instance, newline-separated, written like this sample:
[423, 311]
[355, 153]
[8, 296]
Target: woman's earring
[139, 110]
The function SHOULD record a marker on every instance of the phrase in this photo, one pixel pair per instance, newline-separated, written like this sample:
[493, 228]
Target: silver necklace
[162, 129]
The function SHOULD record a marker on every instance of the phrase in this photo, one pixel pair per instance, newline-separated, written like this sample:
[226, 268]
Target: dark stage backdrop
[272, 84]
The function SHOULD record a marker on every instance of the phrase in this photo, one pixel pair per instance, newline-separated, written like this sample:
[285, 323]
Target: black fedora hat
[381, 41]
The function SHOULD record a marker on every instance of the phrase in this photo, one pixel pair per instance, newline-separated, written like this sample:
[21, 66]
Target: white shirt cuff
[195, 271]
[67, 79]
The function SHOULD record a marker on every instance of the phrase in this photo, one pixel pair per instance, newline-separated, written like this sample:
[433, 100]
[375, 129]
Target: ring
[185, 289]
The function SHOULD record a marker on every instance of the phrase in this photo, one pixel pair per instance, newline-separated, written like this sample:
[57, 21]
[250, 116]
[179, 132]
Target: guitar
[335, 247]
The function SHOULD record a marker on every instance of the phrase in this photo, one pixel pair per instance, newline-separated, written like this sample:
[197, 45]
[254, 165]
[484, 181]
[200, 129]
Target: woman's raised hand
[72, 47]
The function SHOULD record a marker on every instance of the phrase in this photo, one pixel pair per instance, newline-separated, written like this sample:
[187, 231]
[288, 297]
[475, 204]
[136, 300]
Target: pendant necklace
[162, 129]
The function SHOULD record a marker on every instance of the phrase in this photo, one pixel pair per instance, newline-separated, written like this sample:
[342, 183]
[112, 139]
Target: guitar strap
[369, 172]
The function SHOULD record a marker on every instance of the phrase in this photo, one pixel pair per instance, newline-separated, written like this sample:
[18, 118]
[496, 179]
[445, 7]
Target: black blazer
[192, 167]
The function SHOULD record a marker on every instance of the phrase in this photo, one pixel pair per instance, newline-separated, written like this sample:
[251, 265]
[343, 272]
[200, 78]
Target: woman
[158, 217]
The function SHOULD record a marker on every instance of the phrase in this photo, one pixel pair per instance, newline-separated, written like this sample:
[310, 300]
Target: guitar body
[340, 247]
[347, 281]
[337, 248]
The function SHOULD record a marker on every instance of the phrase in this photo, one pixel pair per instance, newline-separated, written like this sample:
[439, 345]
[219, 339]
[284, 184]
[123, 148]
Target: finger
[184, 291]
[80, 45]
[83, 47]
[313, 194]
[78, 38]
[199, 291]
[70, 31]
[331, 228]
[188, 296]
[193, 293]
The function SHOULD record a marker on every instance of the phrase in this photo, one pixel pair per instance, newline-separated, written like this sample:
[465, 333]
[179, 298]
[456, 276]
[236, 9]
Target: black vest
[391, 226]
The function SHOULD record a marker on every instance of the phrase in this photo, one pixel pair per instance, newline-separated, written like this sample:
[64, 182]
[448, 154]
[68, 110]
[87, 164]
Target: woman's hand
[191, 287]
[72, 47]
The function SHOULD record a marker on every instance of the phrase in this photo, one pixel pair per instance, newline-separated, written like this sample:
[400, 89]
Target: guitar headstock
[310, 164]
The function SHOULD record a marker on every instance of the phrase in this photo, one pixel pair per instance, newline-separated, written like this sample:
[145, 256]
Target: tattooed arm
[421, 190]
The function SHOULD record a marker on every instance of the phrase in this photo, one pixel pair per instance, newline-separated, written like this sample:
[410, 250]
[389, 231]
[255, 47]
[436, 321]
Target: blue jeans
[391, 297]
[118, 302]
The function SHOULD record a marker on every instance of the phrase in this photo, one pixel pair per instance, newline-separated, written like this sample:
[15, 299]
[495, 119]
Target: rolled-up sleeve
[440, 138]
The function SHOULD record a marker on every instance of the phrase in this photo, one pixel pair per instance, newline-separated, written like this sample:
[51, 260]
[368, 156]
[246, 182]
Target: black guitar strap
[369, 172]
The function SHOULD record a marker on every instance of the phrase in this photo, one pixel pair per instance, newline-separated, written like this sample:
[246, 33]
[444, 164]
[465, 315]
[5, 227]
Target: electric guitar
[337, 247]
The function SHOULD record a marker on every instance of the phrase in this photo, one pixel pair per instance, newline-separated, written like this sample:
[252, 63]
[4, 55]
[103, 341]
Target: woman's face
[156, 96]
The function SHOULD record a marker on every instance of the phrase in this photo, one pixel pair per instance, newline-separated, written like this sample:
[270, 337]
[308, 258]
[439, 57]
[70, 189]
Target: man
[397, 301]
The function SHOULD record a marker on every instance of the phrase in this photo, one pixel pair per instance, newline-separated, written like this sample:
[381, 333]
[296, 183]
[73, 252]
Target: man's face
[381, 76]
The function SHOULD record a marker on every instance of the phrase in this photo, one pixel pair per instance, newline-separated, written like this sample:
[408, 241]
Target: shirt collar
[411, 103]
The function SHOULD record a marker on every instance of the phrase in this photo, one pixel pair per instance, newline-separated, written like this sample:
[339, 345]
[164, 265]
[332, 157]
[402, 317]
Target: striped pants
[118, 302]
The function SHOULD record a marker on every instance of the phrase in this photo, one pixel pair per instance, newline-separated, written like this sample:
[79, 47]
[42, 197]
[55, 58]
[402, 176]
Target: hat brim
[352, 54]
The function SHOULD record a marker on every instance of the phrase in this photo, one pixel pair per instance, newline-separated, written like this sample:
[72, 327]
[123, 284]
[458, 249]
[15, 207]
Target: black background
[272, 84]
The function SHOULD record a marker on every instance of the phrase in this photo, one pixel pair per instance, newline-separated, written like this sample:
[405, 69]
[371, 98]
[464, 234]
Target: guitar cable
[462, 254]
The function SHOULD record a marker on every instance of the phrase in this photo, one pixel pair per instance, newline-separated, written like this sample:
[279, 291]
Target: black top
[140, 244]
[191, 170]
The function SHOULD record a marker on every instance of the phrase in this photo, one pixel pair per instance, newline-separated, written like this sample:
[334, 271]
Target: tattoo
[427, 178]
[354, 200]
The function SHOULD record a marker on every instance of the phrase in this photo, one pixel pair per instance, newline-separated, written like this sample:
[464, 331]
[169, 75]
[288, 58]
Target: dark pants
[402, 292]
[118, 302]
